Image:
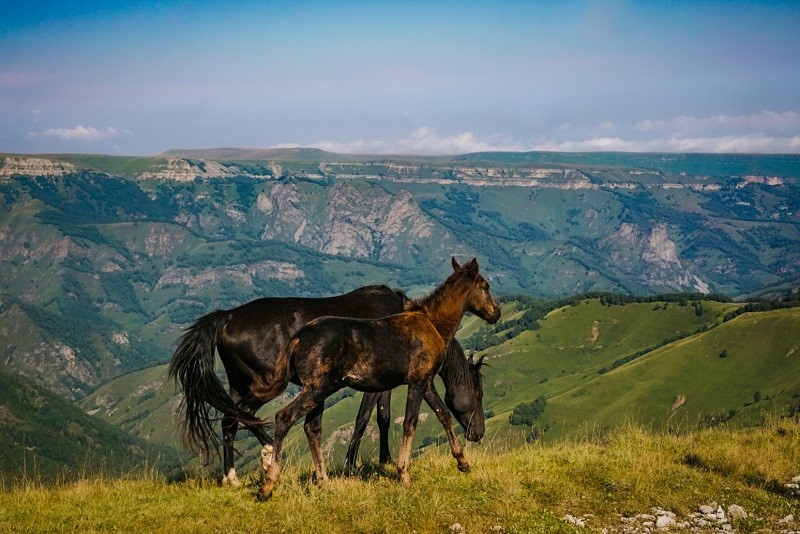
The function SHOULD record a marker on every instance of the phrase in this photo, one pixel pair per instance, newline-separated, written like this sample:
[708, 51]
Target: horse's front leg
[433, 400]
[384, 421]
[313, 429]
[368, 401]
[415, 394]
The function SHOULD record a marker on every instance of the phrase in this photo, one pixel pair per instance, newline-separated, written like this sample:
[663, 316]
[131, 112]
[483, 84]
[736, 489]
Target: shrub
[524, 414]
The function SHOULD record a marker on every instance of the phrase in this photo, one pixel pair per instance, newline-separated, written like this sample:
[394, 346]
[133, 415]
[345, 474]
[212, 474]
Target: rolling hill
[45, 437]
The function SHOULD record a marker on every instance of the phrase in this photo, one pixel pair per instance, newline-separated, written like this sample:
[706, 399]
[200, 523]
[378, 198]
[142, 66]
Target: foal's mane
[440, 294]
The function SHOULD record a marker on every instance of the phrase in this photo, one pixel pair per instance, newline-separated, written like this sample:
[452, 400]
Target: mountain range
[105, 259]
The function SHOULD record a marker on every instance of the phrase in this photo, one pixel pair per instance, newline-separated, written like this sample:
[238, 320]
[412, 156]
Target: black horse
[463, 395]
[374, 355]
[248, 339]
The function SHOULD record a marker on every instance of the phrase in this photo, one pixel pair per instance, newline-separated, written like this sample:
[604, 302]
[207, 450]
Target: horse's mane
[459, 367]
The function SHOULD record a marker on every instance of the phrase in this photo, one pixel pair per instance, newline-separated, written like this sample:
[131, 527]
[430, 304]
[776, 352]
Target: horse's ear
[472, 265]
[456, 266]
[480, 363]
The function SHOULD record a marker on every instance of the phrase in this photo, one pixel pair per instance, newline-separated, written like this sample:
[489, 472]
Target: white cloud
[766, 132]
[743, 144]
[753, 143]
[766, 121]
[426, 141]
[423, 141]
[82, 133]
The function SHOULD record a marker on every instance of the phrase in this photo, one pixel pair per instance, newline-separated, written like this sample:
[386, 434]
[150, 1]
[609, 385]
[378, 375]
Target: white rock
[574, 520]
[788, 519]
[456, 527]
[796, 479]
[664, 521]
[706, 509]
[727, 527]
[736, 512]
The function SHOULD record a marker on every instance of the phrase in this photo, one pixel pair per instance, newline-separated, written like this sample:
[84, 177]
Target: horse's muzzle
[474, 436]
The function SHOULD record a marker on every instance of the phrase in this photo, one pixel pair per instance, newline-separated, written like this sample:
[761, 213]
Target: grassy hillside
[740, 370]
[613, 484]
[44, 436]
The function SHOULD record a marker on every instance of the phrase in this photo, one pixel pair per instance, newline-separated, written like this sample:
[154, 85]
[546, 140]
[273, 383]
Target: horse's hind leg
[229, 428]
[313, 429]
[433, 400]
[384, 420]
[368, 401]
[415, 393]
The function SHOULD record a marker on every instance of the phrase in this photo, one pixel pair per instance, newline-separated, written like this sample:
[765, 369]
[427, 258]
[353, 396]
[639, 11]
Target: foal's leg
[415, 394]
[313, 429]
[384, 420]
[443, 414]
[304, 403]
[368, 401]
[252, 405]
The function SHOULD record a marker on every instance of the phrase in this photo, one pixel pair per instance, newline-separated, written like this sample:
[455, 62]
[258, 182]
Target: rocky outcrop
[10, 166]
[182, 170]
[652, 257]
[390, 224]
[352, 221]
[243, 274]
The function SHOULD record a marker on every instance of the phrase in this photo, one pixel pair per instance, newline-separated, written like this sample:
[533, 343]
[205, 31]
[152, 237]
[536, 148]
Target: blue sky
[431, 77]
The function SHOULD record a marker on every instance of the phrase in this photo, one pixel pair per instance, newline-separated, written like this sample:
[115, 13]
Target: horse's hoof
[464, 468]
[231, 479]
[263, 497]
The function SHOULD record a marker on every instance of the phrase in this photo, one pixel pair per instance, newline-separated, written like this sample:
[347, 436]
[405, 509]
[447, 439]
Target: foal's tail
[266, 388]
[193, 366]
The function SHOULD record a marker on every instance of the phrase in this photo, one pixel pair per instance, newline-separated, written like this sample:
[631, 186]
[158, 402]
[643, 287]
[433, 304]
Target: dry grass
[623, 472]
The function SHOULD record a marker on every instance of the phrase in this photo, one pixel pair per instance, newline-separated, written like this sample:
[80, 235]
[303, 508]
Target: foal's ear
[456, 266]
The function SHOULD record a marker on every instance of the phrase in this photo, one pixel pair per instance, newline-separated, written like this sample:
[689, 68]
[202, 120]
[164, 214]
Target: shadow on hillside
[365, 472]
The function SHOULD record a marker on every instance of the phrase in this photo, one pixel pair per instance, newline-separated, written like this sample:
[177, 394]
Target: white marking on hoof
[266, 456]
[231, 479]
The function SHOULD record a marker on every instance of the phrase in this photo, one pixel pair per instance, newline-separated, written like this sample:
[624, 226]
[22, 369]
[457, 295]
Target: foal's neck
[444, 307]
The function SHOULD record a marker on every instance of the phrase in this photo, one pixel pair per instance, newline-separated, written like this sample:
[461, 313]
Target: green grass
[529, 489]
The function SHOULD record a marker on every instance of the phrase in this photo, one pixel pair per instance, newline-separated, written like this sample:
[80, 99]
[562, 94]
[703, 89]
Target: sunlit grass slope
[528, 489]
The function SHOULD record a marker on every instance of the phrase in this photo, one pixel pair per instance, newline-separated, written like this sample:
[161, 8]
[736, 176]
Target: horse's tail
[193, 366]
[266, 388]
